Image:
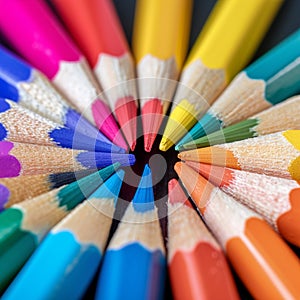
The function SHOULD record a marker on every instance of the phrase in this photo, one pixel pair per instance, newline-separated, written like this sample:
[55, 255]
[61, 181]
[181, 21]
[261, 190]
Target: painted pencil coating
[24, 225]
[134, 263]
[194, 253]
[160, 43]
[276, 154]
[101, 38]
[266, 82]
[226, 43]
[272, 197]
[17, 159]
[264, 262]
[34, 31]
[82, 237]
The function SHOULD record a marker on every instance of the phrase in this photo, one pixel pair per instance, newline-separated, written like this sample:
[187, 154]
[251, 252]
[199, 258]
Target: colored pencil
[266, 82]
[282, 116]
[17, 189]
[30, 88]
[161, 32]
[226, 43]
[273, 198]
[24, 225]
[18, 159]
[264, 262]
[72, 250]
[17, 124]
[194, 253]
[100, 36]
[276, 154]
[33, 30]
[134, 262]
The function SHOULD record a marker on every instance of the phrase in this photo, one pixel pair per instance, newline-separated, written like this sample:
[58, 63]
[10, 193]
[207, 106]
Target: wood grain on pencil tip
[34, 31]
[24, 225]
[138, 238]
[161, 31]
[282, 116]
[100, 36]
[194, 253]
[266, 82]
[82, 236]
[228, 40]
[28, 159]
[263, 261]
[276, 154]
[272, 197]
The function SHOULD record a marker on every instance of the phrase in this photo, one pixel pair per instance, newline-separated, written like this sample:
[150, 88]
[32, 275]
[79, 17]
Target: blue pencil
[134, 263]
[268, 81]
[24, 225]
[18, 159]
[18, 124]
[67, 260]
[30, 88]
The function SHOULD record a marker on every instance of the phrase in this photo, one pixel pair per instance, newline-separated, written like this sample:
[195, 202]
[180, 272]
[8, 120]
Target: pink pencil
[33, 30]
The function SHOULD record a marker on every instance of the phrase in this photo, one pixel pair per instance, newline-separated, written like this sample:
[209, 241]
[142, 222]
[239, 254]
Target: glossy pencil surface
[72, 248]
[266, 82]
[226, 43]
[194, 253]
[134, 263]
[24, 225]
[263, 261]
[159, 44]
[100, 36]
[34, 31]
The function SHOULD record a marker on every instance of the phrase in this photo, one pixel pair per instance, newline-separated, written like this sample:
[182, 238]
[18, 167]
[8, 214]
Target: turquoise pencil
[66, 261]
[24, 225]
[268, 81]
[134, 263]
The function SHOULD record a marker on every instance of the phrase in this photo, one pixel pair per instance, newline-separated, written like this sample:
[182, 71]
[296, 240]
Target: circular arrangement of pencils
[122, 167]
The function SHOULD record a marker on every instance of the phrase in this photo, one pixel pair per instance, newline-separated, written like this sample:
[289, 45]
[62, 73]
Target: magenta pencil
[33, 30]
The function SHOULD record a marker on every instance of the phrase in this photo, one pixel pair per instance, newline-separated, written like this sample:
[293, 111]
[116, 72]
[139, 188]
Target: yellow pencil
[225, 45]
[160, 40]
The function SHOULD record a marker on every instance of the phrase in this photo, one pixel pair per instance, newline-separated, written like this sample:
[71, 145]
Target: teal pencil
[72, 250]
[268, 81]
[17, 189]
[134, 263]
[23, 226]
[282, 116]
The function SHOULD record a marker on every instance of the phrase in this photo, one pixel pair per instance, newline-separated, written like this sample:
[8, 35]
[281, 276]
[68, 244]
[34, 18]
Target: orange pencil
[100, 36]
[276, 154]
[263, 261]
[197, 266]
[274, 198]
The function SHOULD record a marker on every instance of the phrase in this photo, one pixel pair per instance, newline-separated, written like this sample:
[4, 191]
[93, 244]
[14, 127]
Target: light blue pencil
[67, 260]
[134, 264]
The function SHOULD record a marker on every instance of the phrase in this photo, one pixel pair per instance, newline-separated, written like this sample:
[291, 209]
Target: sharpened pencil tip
[148, 141]
[165, 144]
[143, 199]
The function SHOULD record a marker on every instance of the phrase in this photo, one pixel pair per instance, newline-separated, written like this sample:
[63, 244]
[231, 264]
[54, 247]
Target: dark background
[286, 22]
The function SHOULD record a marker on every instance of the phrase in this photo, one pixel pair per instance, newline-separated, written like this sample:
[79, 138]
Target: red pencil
[100, 36]
[198, 268]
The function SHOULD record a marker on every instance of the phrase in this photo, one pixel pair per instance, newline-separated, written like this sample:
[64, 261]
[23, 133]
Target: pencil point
[143, 199]
[165, 144]
[176, 193]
